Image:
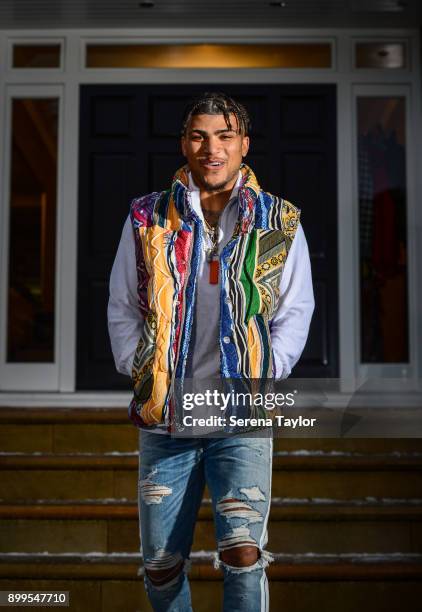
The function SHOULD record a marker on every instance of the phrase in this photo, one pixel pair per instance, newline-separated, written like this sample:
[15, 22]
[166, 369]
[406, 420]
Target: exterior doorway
[129, 146]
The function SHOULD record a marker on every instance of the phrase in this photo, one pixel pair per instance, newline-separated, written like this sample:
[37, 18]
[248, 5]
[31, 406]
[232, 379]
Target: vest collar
[249, 191]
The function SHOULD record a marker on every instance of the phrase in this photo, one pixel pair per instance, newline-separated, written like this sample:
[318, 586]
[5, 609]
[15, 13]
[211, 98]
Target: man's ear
[245, 146]
[183, 145]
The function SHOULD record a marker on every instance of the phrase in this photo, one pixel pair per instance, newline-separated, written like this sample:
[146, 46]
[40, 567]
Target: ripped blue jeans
[172, 476]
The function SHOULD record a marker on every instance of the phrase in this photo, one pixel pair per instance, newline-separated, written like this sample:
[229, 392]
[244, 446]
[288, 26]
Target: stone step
[284, 567]
[126, 595]
[66, 430]
[298, 583]
[114, 475]
[294, 526]
[103, 595]
[314, 461]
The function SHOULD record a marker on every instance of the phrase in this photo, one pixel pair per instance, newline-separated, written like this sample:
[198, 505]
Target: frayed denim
[172, 476]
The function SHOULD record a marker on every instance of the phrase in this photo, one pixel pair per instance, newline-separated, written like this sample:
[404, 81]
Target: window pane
[36, 56]
[380, 55]
[210, 56]
[32, 229]
[383, 234]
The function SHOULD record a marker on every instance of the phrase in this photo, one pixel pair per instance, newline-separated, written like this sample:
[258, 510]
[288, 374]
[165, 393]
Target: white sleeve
[290, 323]
[125, 321]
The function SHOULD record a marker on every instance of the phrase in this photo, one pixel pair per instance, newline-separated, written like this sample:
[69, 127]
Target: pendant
[214, 264]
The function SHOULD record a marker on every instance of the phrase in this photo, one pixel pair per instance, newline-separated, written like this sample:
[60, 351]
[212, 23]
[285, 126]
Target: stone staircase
[345, 526]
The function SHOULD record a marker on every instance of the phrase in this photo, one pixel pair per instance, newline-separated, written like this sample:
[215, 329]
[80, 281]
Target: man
[211, 279]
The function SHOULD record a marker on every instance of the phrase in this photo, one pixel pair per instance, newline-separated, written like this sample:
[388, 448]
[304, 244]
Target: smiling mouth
[215, 165]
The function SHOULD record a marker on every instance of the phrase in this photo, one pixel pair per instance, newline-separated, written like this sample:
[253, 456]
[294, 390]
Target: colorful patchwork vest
[169, 237]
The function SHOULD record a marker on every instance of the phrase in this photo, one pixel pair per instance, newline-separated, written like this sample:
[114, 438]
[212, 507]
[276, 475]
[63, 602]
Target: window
[36, 56]
[286, 55]
[382, 228]
[380, 55]
[32, 230]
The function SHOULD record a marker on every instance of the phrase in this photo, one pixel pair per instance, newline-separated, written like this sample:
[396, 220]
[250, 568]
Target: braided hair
[217, 103]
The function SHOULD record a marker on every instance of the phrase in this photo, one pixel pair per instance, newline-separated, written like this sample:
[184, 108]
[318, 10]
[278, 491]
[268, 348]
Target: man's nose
[212, 146]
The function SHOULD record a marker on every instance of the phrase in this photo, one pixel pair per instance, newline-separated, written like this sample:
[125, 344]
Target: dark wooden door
[129, 146]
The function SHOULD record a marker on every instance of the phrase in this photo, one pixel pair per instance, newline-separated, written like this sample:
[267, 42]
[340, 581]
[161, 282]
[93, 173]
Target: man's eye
[227, 136]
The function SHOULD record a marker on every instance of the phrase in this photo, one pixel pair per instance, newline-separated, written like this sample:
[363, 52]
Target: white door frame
[66, 80]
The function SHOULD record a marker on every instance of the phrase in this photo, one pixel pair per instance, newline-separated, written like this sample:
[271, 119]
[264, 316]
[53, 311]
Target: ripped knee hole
[162, 576]
[240, 556]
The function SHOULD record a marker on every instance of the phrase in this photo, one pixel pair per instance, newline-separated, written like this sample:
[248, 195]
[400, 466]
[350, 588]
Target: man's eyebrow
[225, 130]
[204, 133]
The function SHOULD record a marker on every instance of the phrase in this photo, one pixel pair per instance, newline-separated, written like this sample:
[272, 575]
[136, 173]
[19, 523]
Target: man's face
[213, 151]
